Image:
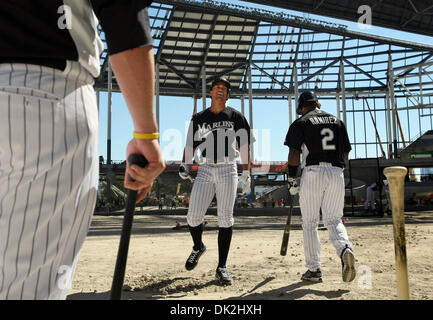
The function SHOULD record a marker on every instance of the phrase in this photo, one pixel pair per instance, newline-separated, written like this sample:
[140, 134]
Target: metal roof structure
[414, 16]
[274, 55]
[206, 39]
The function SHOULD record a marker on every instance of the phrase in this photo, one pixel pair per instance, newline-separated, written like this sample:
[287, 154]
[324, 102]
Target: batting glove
[292, 186]
[245, 181]
[184, 171]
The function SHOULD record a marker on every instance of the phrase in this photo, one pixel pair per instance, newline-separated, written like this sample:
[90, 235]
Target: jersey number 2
[328, 136]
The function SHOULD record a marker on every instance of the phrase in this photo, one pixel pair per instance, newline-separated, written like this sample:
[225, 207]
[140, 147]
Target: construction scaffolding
[373, 83]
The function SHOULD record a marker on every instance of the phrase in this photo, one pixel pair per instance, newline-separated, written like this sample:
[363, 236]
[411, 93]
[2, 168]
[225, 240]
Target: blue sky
[175, 113]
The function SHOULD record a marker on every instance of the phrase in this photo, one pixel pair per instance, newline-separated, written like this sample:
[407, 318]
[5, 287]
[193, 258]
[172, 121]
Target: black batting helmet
[306, 96]
[225, 81]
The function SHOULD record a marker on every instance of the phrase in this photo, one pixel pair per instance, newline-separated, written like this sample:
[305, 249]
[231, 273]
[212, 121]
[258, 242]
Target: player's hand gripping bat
[286, 234]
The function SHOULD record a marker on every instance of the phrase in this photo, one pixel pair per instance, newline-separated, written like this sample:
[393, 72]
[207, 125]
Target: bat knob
[139, 160]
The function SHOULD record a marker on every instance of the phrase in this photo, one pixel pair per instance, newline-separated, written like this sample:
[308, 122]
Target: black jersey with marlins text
[321, 137]
[219, 136]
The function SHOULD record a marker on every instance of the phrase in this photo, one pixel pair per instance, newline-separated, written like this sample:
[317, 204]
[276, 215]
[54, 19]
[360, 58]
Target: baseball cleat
[193, 258]
[312, 276]
[348, 265]
[223, 277]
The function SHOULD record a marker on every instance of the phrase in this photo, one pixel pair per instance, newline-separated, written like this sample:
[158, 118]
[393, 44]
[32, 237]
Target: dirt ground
[157, 255]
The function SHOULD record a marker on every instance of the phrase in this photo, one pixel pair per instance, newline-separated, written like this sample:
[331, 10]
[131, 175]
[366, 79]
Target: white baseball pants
[48, 176]
[371, 197]
[322, 187]
[214, 179]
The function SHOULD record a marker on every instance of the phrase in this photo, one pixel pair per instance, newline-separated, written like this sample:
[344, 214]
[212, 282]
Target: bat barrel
[395, 176]
[122, 254]
[286, 234]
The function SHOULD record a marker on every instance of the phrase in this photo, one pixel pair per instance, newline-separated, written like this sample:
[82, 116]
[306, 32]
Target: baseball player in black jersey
[323, 141]
[49, 58]
[219, 135]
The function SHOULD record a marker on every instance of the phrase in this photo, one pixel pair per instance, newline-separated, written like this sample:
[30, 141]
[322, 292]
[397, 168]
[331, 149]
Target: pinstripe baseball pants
[214, 179]
[48, 176]
[322, 187]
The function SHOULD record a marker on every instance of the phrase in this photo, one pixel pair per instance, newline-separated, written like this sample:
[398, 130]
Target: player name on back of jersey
[323, 120]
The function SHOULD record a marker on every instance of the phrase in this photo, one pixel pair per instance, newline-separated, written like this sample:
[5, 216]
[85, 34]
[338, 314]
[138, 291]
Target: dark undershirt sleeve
[242, 124]
[125, 23]
[295, 136]
[345, 139]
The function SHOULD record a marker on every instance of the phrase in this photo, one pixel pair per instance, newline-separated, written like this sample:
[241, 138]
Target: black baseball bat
[122, 254]
[286, 233]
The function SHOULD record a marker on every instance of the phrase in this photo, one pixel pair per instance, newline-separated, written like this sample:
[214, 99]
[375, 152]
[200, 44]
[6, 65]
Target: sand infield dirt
[157, 255]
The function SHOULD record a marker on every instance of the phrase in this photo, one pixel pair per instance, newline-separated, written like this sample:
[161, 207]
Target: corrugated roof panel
[194, 15]
[404, 15]
[190, 34]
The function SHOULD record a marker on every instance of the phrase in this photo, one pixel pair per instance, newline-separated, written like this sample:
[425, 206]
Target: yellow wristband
[145, 136]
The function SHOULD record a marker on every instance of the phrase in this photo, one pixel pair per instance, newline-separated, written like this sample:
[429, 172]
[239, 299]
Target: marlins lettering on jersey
[218, 136]
[204, 129]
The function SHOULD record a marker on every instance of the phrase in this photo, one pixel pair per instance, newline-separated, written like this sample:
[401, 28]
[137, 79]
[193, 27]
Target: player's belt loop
[325, 164]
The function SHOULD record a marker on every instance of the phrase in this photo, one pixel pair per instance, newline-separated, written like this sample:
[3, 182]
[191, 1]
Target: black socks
[224, 239]
[196, 233]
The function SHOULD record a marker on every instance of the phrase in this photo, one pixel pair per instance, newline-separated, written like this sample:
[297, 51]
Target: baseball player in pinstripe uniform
[49, 57]
[220, 134]
[323, 141]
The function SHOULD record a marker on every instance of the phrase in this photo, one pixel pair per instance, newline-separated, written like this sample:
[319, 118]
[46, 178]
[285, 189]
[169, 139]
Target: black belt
[316, 163]
[51, 63]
